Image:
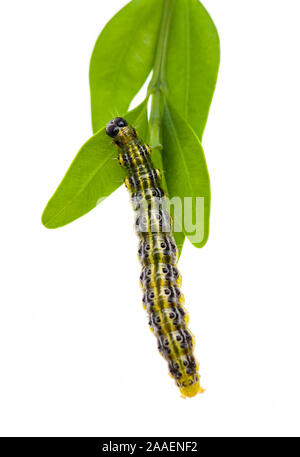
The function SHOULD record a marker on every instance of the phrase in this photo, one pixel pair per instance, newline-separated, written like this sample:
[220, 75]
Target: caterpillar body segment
[160, 278]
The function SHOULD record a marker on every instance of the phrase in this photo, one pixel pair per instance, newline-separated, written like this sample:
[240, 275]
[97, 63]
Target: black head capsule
[114, 126]
[120, 131]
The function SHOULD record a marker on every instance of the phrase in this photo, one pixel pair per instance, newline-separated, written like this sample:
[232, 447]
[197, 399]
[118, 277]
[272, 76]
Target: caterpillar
[160, 278]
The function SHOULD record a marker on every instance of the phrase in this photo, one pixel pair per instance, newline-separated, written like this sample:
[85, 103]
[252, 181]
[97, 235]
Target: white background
[76, 355]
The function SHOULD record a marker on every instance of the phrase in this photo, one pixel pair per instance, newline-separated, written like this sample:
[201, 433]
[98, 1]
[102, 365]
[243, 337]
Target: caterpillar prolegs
[160, 278]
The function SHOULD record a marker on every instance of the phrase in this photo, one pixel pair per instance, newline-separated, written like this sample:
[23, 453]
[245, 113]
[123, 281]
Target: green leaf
[186, 175]
[123, 58]
[192, 62]
[93, 175]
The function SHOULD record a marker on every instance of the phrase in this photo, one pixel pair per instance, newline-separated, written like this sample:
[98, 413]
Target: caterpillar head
[120, 131]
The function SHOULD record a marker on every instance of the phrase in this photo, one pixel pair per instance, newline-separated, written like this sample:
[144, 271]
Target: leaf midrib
[179, 147]
[187, 53]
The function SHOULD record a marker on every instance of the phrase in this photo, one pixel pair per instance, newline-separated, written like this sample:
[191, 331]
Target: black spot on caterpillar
[160, 278]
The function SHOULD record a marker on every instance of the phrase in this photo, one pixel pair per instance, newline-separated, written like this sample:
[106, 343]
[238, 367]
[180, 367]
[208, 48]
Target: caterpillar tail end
[191, 391]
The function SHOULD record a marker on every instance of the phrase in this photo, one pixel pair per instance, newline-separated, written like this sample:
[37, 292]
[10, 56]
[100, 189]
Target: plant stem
[158, 86]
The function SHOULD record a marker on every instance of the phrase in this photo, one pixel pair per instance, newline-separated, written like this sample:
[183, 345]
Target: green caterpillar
[160, 278]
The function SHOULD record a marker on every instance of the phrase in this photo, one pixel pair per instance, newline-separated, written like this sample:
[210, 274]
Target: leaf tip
[201, 243]
[45, 219]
